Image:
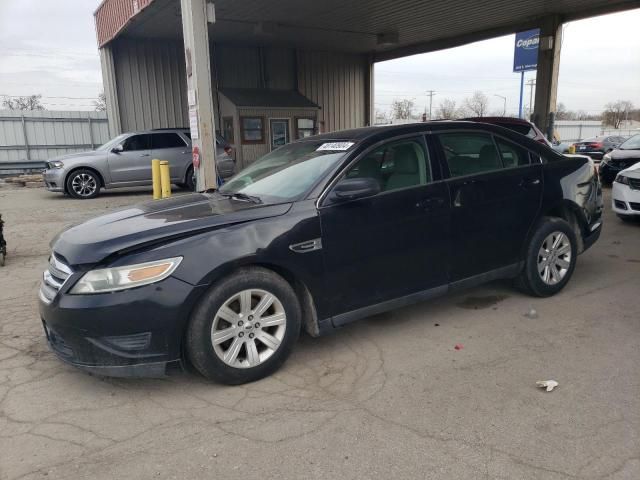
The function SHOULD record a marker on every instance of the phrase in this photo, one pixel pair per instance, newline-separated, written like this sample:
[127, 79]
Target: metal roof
[413, 26]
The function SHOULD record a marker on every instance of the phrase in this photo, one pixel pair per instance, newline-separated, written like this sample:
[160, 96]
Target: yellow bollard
[572, 149]
[165, 179]
[155, 179]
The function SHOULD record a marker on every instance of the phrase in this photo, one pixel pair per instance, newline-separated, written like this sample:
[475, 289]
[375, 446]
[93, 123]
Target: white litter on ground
[548, 384]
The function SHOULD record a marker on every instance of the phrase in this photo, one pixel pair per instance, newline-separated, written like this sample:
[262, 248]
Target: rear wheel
[550, 259]
[244, 328]
[190, 180]
[83, 184]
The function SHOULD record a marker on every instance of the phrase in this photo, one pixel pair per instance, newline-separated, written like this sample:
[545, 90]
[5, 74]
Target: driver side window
[396, 165]
[137, 142]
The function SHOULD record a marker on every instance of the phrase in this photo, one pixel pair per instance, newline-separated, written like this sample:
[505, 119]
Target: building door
[279, 132]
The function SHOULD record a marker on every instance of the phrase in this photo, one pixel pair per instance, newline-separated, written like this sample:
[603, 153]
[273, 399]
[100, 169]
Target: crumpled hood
[633, 171]
[92, 241]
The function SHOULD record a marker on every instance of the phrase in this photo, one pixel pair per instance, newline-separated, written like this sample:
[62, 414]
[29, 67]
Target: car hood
[633, 171]
[94, 240]
[71, 156]
[625, 154]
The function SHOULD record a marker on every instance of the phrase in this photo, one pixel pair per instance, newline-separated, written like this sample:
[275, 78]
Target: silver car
[125, 161]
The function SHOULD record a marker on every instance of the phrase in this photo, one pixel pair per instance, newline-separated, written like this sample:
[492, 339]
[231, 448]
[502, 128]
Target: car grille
[634, 183]
[53, 278]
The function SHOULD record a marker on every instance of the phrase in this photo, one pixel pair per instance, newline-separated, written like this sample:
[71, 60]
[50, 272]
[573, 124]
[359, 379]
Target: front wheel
[83, 184]
[244, 328]
[550, 259]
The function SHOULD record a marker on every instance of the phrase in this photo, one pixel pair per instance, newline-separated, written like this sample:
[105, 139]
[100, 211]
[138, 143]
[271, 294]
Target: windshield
[288, 172]
[632, 144]
[112, 143]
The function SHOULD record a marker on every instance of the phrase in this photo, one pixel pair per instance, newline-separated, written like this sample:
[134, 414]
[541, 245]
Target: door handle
[430, 203]
[528, 182]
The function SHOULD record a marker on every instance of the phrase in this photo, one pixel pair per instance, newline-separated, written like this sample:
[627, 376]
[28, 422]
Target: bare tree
[402, 109]
[447, 110]
[101, 103]
[616, 112]
[477, 104]
[30, 102]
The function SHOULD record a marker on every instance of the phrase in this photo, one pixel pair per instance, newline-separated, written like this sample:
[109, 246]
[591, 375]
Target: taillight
[595, 145]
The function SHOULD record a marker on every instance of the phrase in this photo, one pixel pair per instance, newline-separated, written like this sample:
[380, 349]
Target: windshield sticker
[334, 146]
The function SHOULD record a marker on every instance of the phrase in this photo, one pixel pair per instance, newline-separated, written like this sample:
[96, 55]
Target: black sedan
[315, 235]
[625, 156]
[596, 147]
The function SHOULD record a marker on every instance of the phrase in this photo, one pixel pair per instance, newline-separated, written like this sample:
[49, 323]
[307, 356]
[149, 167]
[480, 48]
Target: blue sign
[525, 56]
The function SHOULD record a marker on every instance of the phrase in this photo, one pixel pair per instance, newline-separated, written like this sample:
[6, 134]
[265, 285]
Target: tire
[83, 184]
[244, 350]
[542, 275]
[189, 180]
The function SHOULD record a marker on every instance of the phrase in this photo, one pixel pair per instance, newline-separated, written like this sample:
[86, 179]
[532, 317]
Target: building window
[252, 129]
[305, 127]
[227, 129]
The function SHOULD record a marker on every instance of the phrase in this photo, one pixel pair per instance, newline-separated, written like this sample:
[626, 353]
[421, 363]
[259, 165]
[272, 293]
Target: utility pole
[196, 16]
[504, 108]
[531, 83]
[430, 94]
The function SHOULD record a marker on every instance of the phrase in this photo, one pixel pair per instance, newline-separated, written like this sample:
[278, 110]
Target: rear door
[391, 244]
[133, 163]
[172, 147]
[495, 194]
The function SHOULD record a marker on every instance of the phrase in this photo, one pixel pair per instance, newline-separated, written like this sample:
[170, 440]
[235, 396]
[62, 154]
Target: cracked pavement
[386, 397]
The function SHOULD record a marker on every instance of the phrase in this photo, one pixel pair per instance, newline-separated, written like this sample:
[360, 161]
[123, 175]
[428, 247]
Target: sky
[49, 47]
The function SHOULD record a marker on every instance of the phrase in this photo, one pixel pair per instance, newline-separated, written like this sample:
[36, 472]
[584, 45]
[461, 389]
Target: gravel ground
[386, 397]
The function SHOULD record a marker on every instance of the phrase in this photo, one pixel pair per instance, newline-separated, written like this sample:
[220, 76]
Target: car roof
[509, 120]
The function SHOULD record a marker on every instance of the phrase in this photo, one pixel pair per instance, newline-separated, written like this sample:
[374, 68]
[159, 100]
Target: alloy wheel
[554, 258]
[84, 185]
[248, 328]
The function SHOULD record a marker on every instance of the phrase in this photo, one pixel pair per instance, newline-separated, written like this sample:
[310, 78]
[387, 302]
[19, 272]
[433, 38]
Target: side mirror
[117, 149]
[353, 188]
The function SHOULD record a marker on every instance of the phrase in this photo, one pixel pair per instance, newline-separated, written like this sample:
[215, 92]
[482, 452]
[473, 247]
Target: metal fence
[575, 132]
[29, 138]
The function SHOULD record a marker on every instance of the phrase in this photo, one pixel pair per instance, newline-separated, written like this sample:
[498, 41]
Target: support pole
[547, 72]
[521, 93]
[196, 16]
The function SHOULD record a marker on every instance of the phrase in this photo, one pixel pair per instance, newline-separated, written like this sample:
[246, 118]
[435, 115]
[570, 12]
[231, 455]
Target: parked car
[596, 147]
[625, 193]
[314, 235]
[626, 155]
[125, 161]
[519, 125]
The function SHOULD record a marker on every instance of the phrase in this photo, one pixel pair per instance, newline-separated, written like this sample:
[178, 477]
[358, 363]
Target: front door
[133, 162]
[394, 243]
[495, 194]
[279, 132]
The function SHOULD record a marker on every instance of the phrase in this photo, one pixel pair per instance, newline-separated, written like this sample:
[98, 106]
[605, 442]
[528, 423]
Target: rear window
[167, 140]
[521, 129]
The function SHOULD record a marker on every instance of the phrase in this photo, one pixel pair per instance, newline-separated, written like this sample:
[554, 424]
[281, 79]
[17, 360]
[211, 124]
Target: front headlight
[606, 158]
[128, 276]
[622, 179]
[56, 164]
